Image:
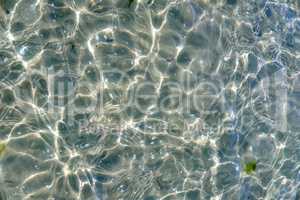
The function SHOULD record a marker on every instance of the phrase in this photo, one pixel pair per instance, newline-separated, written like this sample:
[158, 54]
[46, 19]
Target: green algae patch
[2, 148]
[130, 2]
[250, 167]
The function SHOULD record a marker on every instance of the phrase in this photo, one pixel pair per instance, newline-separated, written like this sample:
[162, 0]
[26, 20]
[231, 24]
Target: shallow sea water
[149, 99]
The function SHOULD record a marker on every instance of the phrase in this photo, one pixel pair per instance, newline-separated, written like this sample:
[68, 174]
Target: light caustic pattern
[152, 100]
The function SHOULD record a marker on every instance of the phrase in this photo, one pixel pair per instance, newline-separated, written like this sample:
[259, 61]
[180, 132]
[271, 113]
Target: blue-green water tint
[149, 99]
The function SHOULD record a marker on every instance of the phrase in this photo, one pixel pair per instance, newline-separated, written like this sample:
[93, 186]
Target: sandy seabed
[149, 100]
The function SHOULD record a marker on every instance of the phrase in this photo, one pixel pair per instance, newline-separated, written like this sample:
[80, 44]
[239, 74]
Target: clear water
[149, 100]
